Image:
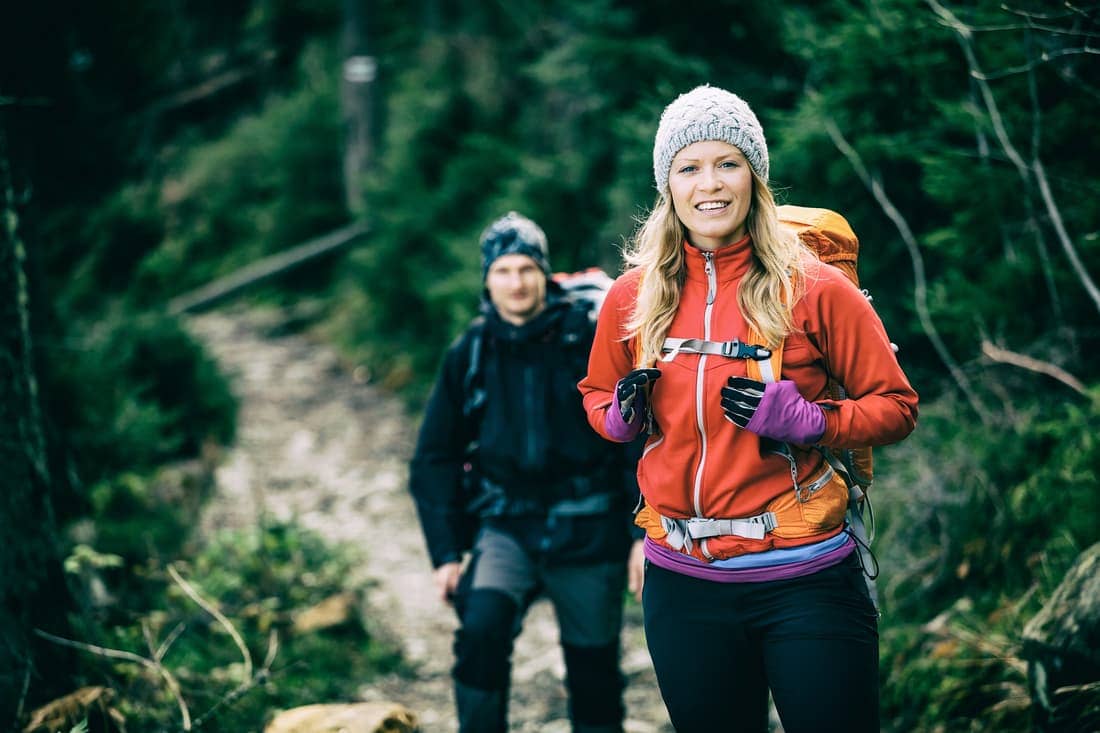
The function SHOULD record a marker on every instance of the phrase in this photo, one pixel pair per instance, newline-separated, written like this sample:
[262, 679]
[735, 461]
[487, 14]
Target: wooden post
[356, 82]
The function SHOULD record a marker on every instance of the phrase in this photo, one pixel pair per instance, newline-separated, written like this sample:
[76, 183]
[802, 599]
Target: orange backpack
[830, 236]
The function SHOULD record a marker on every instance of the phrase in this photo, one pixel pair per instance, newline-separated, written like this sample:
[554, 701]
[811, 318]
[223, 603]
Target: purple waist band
[663, 557]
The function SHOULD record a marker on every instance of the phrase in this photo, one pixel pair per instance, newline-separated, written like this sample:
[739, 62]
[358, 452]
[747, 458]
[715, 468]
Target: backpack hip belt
[496, 502]
[682, 532]
[788, 516]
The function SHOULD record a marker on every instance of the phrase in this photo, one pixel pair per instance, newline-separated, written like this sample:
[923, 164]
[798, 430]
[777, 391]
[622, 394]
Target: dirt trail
[318, 445]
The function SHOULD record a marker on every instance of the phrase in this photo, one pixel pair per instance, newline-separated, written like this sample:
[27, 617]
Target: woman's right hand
[625, 418]
[630, 392]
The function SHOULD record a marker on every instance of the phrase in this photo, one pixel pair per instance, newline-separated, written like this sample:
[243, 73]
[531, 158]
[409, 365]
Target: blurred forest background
[147, 149]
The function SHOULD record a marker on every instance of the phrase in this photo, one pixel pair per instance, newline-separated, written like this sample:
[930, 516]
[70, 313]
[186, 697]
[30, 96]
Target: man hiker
[517, 496]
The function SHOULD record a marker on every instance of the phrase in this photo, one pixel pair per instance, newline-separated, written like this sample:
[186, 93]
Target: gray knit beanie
[708, 113]
[514, 234]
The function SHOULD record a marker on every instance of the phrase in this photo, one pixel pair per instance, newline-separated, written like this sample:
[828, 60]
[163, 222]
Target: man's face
[517, 288]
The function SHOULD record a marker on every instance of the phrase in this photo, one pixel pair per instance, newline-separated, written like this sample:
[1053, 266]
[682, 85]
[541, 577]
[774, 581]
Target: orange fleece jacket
[702, 465]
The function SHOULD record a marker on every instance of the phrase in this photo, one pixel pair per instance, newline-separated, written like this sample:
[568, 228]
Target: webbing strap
[730, 349]
[495, 501]
[819, 483]
[768, 368]
[801, 493]
[682, 532]
[595, 504]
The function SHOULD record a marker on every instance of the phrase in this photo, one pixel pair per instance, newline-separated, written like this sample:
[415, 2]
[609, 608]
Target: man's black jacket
[529, 440]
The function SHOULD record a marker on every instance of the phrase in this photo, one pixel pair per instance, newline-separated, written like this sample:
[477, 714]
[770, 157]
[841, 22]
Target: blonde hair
[766, 294]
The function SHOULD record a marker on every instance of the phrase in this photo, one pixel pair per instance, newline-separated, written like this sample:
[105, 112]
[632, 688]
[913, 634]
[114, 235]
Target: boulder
[363, 717]
[1061, 645]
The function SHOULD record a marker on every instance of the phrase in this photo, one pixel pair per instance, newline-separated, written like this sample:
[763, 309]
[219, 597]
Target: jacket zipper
[529, 403]
[712, 291]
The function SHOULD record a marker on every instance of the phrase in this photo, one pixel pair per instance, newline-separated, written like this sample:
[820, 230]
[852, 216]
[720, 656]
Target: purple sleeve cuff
[785, 415]
[620, 430]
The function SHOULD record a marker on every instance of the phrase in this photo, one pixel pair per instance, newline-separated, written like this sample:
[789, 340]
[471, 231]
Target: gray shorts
[587, 599]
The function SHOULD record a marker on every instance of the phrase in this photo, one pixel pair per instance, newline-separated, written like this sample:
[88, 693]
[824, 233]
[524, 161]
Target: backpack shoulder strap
[764, 370]
[579, 322]
[833, 241]
[473, 383]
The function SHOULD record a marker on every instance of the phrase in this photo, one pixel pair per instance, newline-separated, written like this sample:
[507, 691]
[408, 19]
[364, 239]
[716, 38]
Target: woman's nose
[710, 179]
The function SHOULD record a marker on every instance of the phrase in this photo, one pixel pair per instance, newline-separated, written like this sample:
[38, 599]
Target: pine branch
[1004, 356]
[1033, 174]
[920, 287]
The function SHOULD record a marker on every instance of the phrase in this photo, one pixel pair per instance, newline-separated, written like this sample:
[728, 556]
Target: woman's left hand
[772, 410]
[635, 570]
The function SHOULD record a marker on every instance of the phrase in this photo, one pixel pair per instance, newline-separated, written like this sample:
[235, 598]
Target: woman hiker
[751, 582]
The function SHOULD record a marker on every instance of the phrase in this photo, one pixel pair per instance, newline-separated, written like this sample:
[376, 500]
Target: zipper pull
[712, 281]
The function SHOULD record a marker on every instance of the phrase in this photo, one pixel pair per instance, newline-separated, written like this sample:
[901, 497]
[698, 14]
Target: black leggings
[719, 647]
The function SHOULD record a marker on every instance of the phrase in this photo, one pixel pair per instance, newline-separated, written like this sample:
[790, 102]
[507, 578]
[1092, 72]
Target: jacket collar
[534, 329]
[731, 261]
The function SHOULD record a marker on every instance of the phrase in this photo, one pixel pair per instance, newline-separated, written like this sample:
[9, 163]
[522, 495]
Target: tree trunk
[355, 92]
[32, 591]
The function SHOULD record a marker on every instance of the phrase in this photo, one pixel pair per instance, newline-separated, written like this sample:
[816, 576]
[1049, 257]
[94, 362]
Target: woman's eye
[687, 169]
[728, 164]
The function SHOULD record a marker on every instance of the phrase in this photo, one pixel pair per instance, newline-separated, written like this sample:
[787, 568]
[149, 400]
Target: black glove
[740, 398]
[628, 389]
[777, 410]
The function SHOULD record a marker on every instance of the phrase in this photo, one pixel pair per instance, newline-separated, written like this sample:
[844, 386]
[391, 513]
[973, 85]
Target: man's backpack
[831, 238]
[586, 291]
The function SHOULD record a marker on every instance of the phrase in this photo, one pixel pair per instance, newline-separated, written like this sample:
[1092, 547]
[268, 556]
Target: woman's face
[711, 187]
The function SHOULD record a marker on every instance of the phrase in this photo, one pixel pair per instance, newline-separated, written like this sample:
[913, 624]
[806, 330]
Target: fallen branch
[261, 676]
[168, 641]
[214, 85]
[169, 679]
[221, 619]
[1004, 356]
[261, 270]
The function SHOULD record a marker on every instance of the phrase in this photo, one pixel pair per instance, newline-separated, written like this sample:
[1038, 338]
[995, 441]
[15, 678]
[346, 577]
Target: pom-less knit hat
[708, 113]
[513, 234]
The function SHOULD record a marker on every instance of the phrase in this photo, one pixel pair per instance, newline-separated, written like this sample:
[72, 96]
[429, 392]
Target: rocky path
[318, 443]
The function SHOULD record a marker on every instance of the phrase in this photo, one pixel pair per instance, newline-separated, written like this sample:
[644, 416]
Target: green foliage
[118, 236]
[141, 393]
[86, 558]
[270, 182]
[979, 524]
[549, 109]
[133, 522]
[258, 579]
[466, 139]
[955, 673]
[895, 81]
